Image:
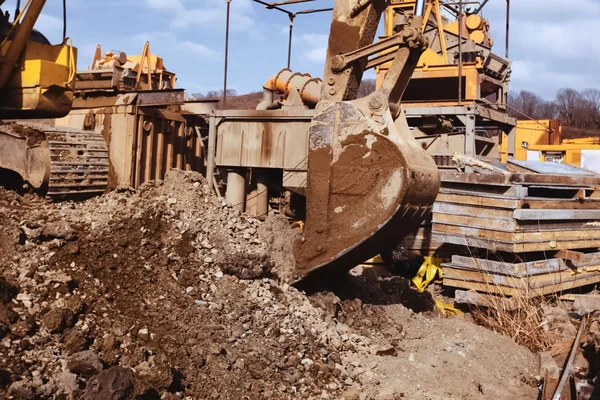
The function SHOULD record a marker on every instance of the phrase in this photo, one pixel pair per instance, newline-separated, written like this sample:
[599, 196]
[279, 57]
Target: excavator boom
[369, 182]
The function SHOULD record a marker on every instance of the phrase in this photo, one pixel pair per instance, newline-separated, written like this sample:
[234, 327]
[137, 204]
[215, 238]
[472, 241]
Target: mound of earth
[166, 293]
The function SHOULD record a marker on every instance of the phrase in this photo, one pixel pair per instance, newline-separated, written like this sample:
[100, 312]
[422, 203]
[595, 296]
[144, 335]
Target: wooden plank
[494, 245]
[533, 282]
[462, 209]
[502, 225]
[555, 214]
[484, 300]
[490, 190]
[512, 203]
[521, 237]
[513, 226]
[570, 255]
[480, 287]
[587, 260]
[461, 177]
[549, 179]
[512, 269]
[530, 292]
[483, 201]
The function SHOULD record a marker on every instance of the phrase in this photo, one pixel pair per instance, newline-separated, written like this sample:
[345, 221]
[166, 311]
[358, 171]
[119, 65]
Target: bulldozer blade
[369, 185]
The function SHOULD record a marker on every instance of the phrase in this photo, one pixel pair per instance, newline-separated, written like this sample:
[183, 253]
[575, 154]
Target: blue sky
[552, 44]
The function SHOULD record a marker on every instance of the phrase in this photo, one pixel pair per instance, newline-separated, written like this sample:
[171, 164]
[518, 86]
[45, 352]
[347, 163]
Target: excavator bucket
[369, 182]
[366, 189]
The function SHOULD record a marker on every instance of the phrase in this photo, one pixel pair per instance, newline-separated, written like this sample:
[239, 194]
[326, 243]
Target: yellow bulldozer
[36, 82]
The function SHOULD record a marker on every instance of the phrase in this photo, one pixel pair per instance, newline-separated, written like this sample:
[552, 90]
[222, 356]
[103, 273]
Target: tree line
[575, 109]
[211, 94]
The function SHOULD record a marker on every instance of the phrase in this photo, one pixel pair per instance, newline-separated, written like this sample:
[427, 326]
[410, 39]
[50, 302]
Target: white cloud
[551, 45]
[315, 39]
[316, 55]
[213, 14]
[315, 47]
[543, 78]
[167, 5]
[196, 49]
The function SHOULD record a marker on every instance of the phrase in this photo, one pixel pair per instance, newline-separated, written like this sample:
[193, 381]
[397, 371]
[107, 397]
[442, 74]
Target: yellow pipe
[308, 87]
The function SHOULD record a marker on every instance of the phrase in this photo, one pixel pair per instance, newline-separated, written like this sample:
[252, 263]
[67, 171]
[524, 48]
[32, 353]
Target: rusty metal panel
[263, 139]
[229, 145]
[160, 97]
[296, 150]
[143, 144]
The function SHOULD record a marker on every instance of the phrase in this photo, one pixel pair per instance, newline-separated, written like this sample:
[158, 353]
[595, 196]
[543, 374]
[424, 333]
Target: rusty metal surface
[160, 97]
[263, 139]
[496, 213]
[368, 186]
[551, 168]
[25, 152]
[144, 142]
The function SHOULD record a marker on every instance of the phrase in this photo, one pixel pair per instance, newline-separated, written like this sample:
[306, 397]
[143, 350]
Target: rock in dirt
[557, 323]
[115, 383]
[57, 320]
[85, 363]
[546, 365]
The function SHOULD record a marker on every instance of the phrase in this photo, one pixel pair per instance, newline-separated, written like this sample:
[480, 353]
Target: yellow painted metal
[470, 72]
[40, 87]
[474, 22]
[545, 138]
[20, 31]
[477, 36]
[35, 78]
[150, 70]
[435, 65]
[531, 134]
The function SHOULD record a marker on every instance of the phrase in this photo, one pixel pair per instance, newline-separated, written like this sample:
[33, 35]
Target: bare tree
[214, 93]
[592, 107]
[570, 105]
[526, 105]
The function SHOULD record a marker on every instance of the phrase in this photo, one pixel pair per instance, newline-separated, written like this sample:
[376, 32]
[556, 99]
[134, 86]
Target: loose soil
[166, 293]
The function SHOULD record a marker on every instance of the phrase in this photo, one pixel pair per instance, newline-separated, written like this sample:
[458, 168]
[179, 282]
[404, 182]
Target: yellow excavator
[36, 82]
[369, 182]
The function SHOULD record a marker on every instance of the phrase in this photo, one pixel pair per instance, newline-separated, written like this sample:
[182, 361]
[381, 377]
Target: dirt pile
[167, 293]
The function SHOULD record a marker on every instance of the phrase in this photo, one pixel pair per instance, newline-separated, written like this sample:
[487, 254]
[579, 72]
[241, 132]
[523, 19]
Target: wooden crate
[529, 279]
[518, 213]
